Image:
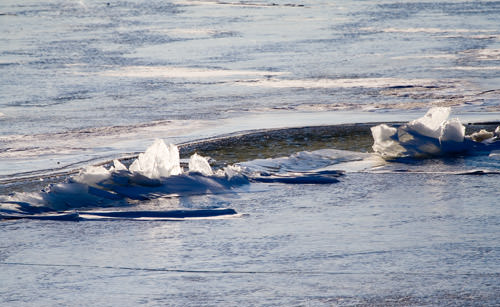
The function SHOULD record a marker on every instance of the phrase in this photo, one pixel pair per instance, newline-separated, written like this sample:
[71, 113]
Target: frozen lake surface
[281, 97]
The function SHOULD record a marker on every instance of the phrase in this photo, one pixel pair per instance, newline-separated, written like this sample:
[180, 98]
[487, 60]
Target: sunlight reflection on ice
[431, 135]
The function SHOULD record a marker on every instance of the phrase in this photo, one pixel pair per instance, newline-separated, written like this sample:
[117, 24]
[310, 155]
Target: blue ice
[432, 135]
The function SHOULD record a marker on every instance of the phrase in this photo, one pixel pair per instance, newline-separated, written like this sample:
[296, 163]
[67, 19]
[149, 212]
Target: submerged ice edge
[432, 135]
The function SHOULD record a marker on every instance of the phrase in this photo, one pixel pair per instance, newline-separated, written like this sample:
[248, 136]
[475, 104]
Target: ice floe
[434, 134]
[155, 173]
[158, 173]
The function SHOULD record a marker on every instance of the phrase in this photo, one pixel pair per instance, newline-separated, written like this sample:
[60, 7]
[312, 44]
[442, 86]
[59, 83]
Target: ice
[64, 196]
[159, 160]
[339, 83]
[200, 164]
[157, 173]
[431, 135]
[92, 174]
[386, 141]
[118, 166]
[482, 135]
[495, 154]
[182, 72]
[452, 131]
[431, 123]
[302, 162]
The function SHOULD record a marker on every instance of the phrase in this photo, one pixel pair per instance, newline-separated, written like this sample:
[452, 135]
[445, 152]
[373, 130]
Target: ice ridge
[158, 173]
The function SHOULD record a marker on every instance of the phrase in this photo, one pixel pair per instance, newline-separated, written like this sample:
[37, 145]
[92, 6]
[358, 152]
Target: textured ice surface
[157, 173]
[482, 135]
[199, 164]
[306, 162]
[431, 135]
[159, 160]
[435, 124]
[94, 174]
[371, 240]
[386, 142]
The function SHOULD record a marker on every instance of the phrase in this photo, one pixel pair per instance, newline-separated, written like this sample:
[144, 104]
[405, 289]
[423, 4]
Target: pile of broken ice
[432, 135]
[155, 173]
